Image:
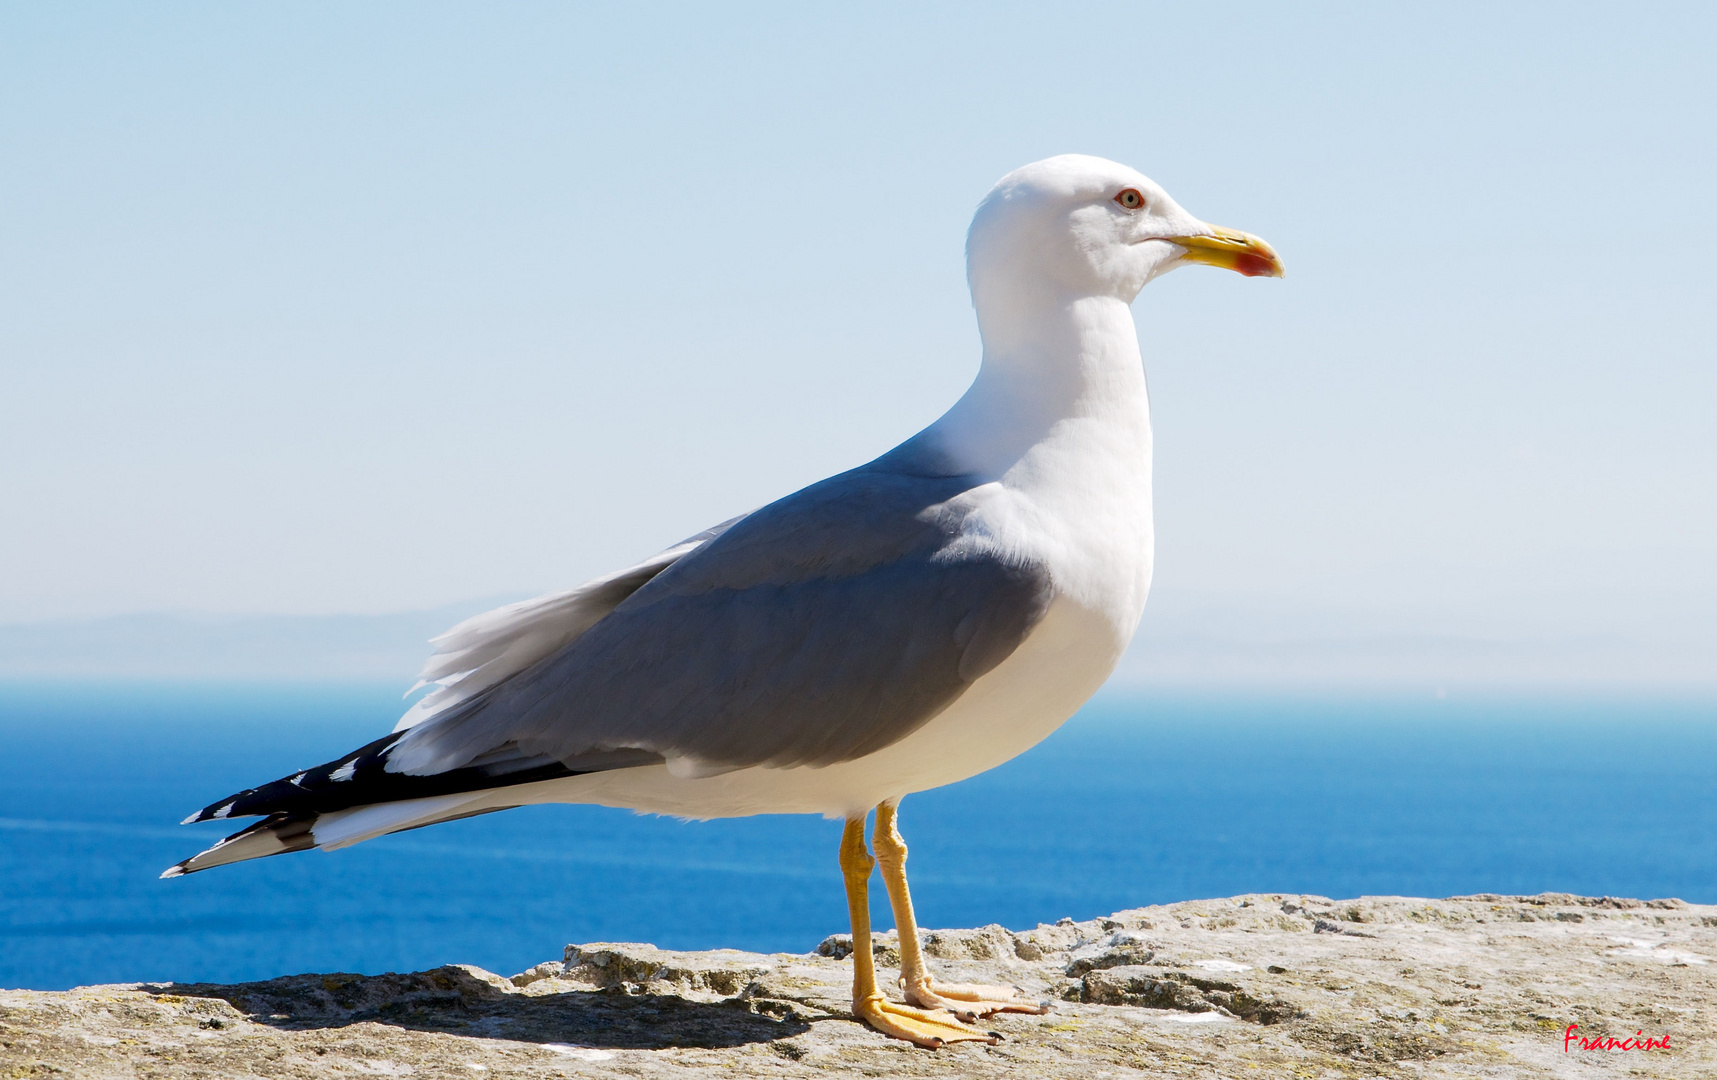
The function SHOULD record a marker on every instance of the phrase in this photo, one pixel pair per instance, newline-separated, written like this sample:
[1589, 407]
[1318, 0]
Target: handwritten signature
[1639, 1040]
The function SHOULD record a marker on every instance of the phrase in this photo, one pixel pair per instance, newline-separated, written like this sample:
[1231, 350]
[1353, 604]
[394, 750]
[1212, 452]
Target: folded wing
[817, 630]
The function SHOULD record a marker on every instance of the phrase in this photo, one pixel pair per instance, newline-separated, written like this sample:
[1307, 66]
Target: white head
[1074, 226]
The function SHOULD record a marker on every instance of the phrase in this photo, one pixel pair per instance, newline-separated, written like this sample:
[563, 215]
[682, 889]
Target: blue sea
[1142, 798]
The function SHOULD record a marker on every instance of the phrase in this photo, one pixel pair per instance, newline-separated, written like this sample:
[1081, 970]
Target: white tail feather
[343, 828]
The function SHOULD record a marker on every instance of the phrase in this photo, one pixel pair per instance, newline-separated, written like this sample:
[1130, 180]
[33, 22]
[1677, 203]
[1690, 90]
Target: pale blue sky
[359, 308]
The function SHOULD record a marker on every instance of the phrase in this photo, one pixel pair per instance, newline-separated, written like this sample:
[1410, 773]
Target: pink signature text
[1637, 1041]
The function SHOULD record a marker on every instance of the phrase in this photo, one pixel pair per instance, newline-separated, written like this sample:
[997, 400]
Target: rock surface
[1263, 986]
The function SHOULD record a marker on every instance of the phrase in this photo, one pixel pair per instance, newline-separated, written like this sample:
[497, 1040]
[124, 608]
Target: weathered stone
[885, 947]
[646, 969]
[991, 942]
[548, 969]
[1119, 950]
[1394, 987]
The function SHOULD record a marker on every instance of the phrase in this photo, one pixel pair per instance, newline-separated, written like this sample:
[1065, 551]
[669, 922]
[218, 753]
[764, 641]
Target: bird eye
[1130, 198]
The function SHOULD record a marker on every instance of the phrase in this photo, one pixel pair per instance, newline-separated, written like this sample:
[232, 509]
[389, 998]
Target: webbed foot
[929, 1028]
[971, 1001]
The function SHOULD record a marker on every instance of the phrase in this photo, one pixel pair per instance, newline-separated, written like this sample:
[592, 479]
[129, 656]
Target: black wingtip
[218, 810]
[361, 778]
[292, 793]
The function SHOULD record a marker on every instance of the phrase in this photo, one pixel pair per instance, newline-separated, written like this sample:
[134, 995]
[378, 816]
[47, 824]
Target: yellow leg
[964, 1000]
[924, 1027]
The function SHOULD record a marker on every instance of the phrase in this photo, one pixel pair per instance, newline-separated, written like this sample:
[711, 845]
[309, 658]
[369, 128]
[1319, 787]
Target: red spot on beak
[1254, 265]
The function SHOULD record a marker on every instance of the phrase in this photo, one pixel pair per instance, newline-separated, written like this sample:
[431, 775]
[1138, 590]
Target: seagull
[897, 627]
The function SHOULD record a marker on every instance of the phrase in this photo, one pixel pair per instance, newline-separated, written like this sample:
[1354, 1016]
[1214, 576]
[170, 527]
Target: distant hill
[192, 646]
[1186, 639]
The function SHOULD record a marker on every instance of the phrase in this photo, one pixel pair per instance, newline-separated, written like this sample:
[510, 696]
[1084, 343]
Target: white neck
[1048, 362]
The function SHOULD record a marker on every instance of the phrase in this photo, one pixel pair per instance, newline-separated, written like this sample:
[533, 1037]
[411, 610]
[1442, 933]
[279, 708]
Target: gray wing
[818, 629]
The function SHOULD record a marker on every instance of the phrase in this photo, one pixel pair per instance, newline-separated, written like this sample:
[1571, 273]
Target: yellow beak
[1231, 250]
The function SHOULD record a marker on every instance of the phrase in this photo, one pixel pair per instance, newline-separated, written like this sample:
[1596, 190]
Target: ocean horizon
[1147, 796]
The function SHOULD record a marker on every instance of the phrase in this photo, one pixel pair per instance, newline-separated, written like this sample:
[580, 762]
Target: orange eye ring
[1131, 199]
